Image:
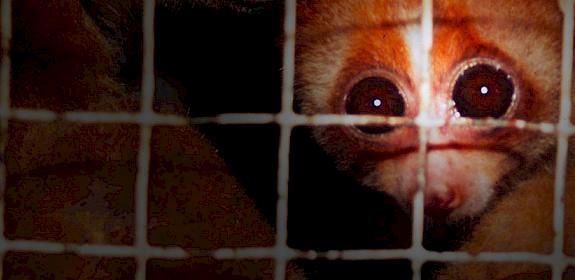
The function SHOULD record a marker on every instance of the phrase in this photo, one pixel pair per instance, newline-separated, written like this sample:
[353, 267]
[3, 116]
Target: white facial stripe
[412, 38]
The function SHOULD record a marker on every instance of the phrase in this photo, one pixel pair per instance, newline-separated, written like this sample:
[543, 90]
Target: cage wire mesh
[281, 253]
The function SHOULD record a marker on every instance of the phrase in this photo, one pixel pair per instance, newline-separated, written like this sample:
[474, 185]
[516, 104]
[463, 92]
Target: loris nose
[441, 204]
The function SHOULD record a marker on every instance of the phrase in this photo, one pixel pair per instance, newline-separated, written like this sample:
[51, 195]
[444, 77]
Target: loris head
[490, 59]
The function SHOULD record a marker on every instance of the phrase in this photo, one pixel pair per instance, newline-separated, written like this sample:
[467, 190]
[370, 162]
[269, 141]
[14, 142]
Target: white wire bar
[154, 119]
[5, 45]
[558, 266]
[282, 250]
[147, 99]
[426, 33]
[177, 253]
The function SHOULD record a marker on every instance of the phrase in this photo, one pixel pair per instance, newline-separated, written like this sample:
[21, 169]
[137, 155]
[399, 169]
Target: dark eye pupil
[483, 91]
[375, 96]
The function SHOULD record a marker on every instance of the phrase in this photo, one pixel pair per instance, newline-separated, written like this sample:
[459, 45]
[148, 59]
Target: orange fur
[340, 40]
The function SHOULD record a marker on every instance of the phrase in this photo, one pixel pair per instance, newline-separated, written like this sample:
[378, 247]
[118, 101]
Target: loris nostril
[454, 200]
[441, 204]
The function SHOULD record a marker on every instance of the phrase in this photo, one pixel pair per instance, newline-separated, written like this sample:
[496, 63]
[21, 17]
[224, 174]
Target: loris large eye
[482, 91]
[375, 96]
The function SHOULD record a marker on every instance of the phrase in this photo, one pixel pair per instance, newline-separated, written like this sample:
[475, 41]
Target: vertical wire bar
[563, 137]
[5, 45]
[147, 98]
[6, 32]
[425, 97]
[282, 250]
[289, 56]
[148, 80]
[141, 208]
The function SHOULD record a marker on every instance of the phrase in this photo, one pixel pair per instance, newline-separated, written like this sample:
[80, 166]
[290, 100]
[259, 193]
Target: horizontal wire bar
[98, 117]
[271, 252]
[94, 249]
[265, 118]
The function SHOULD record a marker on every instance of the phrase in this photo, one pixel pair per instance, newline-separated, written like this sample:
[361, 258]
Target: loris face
[490, 59]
